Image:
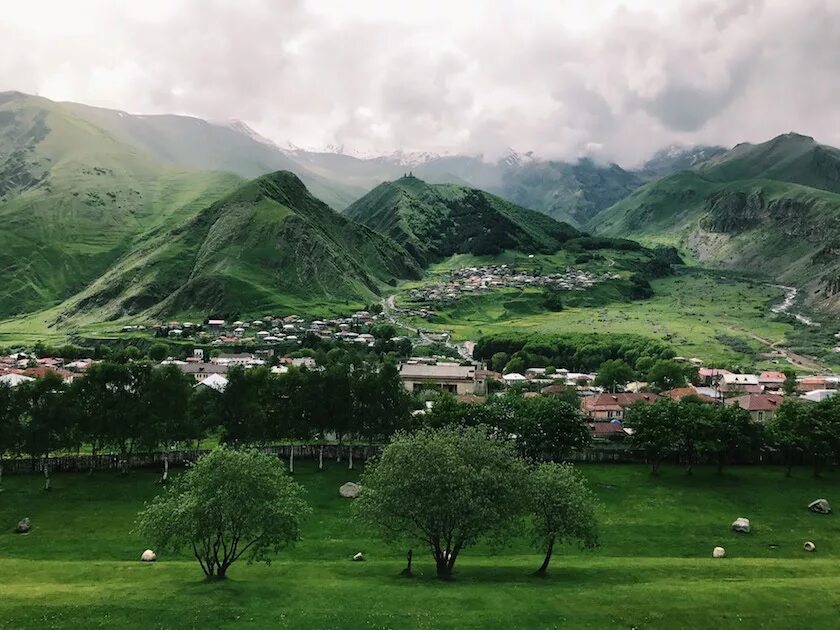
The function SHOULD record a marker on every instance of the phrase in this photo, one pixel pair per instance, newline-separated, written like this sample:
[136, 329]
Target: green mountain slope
[433, 221]
[267, 245]
[771, 208]
[74, 199]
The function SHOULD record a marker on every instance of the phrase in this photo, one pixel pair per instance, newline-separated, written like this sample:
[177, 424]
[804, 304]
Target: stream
[784, 306]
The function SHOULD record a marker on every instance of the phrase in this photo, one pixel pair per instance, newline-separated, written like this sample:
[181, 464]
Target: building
[613, 406]
[215, 382]
[818, 395]
[771, 380]
[450, 377]
[243, 359]
[711, 376]
[740, 384]
[682, 392]
[762, 407]
[200, 371]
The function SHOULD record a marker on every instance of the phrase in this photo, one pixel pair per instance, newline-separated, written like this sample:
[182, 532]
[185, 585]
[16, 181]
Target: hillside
[74, 200]
[269, 244]
[433, 221]
[771, 208]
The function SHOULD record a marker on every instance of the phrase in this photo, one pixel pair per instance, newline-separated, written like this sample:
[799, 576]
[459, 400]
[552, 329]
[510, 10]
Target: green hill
[267, 245]
[433, 221]
[74, 199]
[771, 208]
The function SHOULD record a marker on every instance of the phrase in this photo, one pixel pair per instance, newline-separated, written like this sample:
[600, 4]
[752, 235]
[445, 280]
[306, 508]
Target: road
[391, 313]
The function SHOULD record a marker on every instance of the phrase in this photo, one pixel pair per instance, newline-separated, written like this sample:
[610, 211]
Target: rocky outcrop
[718, 552]
[820, 506]
[23, 526]
[741, 525]
[349, 490]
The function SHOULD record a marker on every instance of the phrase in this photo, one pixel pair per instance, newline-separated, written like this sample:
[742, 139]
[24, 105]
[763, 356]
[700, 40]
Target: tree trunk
[321, 458]
[292, 459]
[350, 458]
[654, 467]
[165, 477]
[543, 570]
[46, 473]
[407, 571]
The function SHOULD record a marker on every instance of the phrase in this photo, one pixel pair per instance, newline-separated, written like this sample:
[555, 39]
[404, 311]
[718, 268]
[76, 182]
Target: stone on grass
[349, 490]
[741, 525]
[820, 506]
[23, 526]
[718, 552]
[148, 556]
[809, 546]
[359, 557]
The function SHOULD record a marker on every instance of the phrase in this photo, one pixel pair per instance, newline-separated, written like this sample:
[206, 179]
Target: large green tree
[614, 374]
[445, 489]
[49, 420]
[11, 411]
[562, 509]
[229, 505]
[655, 429]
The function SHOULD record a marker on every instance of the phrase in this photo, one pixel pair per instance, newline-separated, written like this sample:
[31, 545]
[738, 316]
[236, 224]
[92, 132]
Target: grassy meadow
[79, 567]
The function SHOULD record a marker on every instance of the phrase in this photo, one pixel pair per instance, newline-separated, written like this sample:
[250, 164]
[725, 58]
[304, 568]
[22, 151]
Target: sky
[610, 79]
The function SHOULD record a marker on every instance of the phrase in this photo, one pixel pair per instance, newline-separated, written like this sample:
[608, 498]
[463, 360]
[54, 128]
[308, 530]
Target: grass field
[79, 567]
[696, 311]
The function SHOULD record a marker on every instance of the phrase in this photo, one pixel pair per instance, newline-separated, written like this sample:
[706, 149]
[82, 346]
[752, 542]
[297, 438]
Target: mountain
[433, 221]
[74, 199]
[771, 208]
[268, 245]
[677, 158]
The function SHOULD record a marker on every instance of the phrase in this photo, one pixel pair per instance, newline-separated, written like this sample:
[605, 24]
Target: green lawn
[691, 311]
[80, 565]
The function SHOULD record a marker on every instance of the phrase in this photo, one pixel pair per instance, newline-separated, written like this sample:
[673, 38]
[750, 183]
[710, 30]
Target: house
[41, 372]
[682, 392]
[812, 383]
[514, 377]
[216, 382]
[740, 383]
[762, 407]
[771, 380]
[818, 395]
[200, 371]
[610, 406]
[216, 323]
[13, 380]
[710, 376]
[601, 430]
[243, 359]
[635, 386]
[450, 377]
[305, 362]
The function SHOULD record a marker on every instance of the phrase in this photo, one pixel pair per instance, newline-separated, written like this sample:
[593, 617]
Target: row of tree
[690, 430]
[443, 489]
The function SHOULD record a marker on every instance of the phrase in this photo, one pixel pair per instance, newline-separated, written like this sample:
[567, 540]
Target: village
[468, 280]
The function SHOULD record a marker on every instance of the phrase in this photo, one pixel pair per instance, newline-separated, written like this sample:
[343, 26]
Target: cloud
[618, 79]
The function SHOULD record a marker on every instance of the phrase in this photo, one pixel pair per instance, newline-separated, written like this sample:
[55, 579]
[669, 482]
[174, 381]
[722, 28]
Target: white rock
[742, 525]
[349, 490]
[820, 506]
[809, 546]
[359, 557]
[148, 556]
[718, 552]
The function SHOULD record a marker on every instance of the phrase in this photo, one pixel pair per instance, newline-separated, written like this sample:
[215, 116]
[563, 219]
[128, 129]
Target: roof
[420, 371]
[203, 368]
[772, 376]
[514, 376]
[758, 402]
[706, 372]
[740, 379]
[606, 429]
[13, 380]
[214, 381]
[615, 402]
[42, 371]
[681, 392]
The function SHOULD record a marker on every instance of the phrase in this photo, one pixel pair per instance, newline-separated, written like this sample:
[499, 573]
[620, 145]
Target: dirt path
[796, 359]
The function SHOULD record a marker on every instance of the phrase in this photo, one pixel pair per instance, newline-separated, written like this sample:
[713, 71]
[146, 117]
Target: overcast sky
[564, 78]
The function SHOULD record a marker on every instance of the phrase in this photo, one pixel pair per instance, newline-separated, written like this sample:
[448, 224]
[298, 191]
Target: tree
[498, 361]
[552, 300]
[230, 504]
[810, 428]
[614, 374]
[165, 402]
[655, 429]
[158, 352]
[50, 419]
[10, 423]
[562, 509]
[444, 488]
[725, 431]
[515, 364]
[790, 385]
[666, 374]
[544, 426]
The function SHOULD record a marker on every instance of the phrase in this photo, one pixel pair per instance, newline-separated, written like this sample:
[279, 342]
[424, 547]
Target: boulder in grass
[23, 526]
[820, 506]
[349, 490]
[359, 557]
[718, 552]
[809, 546]
[148, 556]
[741, 525]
